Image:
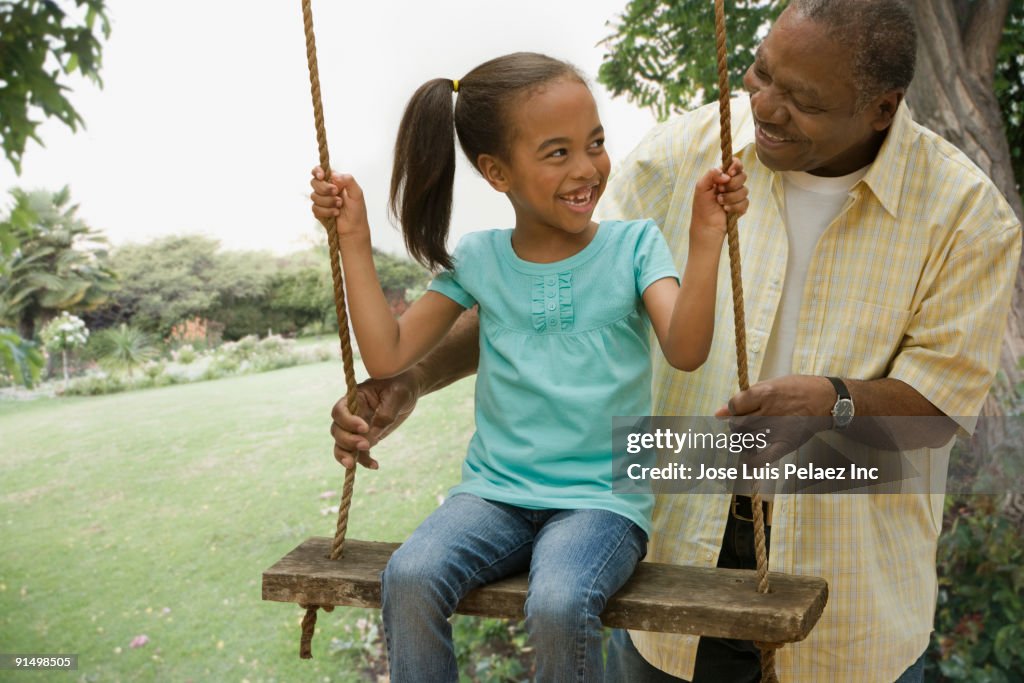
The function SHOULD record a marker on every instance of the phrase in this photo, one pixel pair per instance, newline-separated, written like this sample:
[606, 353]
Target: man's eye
[809, 109]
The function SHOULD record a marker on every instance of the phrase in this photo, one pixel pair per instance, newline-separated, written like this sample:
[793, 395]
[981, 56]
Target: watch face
[842, 412]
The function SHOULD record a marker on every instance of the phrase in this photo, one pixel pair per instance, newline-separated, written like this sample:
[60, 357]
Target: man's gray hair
[881, 35]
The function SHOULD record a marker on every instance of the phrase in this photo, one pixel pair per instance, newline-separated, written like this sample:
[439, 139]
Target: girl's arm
[387, 346]
[683, 316]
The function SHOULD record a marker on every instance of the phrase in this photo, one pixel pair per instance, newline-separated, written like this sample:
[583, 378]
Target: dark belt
[743, 509]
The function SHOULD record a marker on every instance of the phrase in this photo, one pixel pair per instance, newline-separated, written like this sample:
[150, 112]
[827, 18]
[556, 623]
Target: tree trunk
[952, 94]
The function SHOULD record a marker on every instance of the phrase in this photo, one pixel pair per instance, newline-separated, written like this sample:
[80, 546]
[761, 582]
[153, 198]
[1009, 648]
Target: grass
[154, 513]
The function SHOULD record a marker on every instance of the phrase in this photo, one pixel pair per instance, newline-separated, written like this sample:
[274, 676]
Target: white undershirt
[812, 203]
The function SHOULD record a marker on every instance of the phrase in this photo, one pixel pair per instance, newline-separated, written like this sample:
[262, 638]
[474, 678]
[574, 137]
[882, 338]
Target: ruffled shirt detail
[552, 303]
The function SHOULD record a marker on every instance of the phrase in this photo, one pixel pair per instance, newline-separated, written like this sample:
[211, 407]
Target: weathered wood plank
[660, 597]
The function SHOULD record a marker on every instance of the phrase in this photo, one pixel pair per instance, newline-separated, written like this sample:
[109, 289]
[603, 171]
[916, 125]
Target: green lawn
[155, 512]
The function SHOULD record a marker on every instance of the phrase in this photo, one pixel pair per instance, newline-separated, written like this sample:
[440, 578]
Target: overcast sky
[204, 124]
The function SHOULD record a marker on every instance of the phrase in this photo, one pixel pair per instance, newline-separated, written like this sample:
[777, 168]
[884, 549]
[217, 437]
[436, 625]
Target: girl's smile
[582, 200]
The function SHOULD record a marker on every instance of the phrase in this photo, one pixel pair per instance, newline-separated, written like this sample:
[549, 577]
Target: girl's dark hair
[423, 175]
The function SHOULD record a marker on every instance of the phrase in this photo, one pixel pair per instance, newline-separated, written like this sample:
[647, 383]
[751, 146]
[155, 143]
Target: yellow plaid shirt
[911, 281]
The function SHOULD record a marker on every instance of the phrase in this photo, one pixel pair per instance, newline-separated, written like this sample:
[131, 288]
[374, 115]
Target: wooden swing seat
[659, 597]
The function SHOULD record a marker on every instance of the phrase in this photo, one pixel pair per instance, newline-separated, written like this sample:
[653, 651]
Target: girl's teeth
[579, 199]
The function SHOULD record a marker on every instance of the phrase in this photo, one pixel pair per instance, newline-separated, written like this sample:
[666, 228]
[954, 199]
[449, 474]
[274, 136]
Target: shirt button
[551, 280]
[551, 294]
[551, 305]
[551, 320]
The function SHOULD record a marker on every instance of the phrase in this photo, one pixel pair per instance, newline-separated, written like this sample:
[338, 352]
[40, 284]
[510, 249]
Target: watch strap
[840, 387]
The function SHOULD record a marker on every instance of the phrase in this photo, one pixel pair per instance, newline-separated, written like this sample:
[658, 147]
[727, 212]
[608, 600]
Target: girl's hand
[716, 195]
[341, 199]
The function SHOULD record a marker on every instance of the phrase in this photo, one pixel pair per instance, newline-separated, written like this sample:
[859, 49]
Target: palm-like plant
[18, 358]
[124, 348]
[51, 261]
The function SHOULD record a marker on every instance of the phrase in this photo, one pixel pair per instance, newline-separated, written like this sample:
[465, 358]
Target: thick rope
[309, 621]
[760, 545]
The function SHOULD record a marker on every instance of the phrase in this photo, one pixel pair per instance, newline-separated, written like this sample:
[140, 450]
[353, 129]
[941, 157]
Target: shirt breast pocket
[865, 338]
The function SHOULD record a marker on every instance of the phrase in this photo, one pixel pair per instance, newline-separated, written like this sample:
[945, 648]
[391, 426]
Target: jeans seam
[581, 638]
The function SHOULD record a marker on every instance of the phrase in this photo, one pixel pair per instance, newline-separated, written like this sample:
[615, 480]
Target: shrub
[95, 385]
[979, 623]
[274, 361]
[124, 348]
[222, 365]
[19, 359]
[185, 354]
[491, 650]
[273, 343]
[153, 369]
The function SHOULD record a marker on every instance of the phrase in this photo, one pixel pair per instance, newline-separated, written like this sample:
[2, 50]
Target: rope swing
[724, 603]
[334, 251]
[732, 234]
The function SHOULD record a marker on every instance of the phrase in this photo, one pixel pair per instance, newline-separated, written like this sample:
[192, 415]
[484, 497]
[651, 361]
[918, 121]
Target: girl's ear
[493, 171]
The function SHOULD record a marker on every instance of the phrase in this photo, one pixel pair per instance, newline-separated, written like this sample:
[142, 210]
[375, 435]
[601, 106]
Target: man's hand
[804, 403]
[797, 395]
[382, 405]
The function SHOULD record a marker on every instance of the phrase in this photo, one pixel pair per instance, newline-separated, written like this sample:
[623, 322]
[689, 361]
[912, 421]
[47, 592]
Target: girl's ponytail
[423, 175]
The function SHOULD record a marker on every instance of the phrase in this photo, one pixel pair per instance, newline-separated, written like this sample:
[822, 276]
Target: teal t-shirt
[564, 347]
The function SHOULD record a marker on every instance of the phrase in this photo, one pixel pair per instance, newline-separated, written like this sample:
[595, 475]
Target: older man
[878, 267]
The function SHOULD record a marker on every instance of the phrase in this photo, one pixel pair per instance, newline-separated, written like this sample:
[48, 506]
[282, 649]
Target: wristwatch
[842, 411]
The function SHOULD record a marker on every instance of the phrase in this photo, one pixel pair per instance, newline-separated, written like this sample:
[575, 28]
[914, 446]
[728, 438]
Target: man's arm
[807, 401]
[382, 405]
[457, 356]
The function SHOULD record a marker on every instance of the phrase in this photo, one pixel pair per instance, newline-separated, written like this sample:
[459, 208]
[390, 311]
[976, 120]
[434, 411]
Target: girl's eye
[597, 144]
[561, 152]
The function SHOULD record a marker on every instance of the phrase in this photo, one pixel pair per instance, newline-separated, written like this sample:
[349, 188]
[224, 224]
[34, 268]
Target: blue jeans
[577, 560]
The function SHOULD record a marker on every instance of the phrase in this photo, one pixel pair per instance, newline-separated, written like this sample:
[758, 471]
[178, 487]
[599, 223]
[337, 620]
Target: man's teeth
[773, 138]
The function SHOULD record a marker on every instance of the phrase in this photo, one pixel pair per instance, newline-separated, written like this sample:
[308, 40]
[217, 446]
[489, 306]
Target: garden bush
[979, 622]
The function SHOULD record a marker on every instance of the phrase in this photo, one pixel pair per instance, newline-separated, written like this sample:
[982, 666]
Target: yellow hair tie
[455, 85]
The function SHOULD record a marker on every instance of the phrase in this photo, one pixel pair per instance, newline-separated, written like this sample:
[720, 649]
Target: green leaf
[19, 358]
[32, 35]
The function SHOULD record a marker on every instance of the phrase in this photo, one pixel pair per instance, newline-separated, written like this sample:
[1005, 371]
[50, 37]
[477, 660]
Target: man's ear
[884, 108]
[493, 171]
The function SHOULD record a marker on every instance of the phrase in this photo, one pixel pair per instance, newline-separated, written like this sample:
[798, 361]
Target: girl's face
[557, 166]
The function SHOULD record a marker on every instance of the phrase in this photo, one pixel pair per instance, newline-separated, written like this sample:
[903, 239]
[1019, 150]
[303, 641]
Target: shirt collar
[886, 173]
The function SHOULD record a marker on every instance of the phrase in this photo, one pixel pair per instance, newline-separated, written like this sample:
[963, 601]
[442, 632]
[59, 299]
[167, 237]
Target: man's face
[804, 100]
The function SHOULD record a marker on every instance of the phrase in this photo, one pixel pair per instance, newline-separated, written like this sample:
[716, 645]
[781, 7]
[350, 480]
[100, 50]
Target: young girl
[565, 307]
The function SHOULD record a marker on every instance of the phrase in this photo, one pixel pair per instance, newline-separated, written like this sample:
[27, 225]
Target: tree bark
[952, 94]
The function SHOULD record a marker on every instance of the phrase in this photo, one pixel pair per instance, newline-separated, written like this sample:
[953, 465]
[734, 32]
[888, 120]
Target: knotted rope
[309, 621]
[732, 233]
